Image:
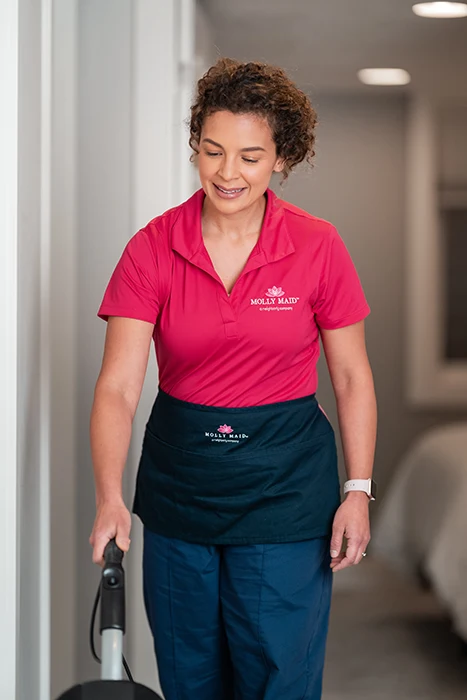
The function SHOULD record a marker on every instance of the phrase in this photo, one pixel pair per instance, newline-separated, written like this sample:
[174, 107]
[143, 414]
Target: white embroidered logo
[225, 433]
[275, 292]
[275, 300]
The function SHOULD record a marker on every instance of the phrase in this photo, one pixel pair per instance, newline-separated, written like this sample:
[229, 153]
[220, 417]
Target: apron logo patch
[275, 300]
[225, 433]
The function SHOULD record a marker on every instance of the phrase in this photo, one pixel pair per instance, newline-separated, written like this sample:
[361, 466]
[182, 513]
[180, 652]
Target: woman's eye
[213, 154]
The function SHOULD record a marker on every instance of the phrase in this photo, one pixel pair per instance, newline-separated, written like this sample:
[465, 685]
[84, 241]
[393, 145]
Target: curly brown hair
[262, 89]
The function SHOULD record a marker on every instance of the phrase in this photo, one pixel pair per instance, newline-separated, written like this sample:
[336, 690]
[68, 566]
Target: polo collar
[273, 244]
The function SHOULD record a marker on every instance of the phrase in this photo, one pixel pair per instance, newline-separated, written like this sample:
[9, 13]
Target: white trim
[9, 30]
[430, 380]
[44, 417]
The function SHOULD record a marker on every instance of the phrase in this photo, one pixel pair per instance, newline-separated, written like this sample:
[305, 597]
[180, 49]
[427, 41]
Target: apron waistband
[233, 432]
[262, 408]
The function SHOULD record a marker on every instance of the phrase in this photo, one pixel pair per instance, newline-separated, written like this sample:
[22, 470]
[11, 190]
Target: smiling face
[237, 156]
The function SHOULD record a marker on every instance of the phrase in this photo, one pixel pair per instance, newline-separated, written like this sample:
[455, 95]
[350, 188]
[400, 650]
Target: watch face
[373, 489]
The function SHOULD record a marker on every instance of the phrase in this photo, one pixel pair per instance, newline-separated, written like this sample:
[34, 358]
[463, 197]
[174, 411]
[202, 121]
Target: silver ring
[363, 554]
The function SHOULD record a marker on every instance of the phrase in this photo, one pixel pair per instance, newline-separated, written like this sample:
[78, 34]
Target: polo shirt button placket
[228, 314]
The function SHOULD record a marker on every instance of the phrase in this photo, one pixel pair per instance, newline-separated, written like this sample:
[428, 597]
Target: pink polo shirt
[260, 344]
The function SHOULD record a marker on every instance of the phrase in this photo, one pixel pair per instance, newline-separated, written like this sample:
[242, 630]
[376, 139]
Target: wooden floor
[390, 641]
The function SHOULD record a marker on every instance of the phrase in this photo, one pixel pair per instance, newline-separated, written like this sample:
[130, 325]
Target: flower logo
[275, 292]
[225, 429]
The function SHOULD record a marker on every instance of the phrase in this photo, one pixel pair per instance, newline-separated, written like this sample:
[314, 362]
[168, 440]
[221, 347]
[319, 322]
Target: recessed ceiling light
[440, 10]
[384, 76]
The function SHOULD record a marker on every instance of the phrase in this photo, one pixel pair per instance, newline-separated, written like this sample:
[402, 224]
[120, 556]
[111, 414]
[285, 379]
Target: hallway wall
[358, 183]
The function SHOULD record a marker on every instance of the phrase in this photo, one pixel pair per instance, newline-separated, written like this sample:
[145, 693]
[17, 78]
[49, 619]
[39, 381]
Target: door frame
[9, 42]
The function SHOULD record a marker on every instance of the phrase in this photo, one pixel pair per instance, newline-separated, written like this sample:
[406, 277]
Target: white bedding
[423, 518]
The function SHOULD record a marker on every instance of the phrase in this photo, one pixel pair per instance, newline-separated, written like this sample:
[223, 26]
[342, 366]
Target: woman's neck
[241, 225]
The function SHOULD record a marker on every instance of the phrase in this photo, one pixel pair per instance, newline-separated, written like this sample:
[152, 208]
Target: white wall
[358, 183]
[453, 143]
[206, 51]
[32, 429]
[206, 54]
[63, 336]
[103, 227]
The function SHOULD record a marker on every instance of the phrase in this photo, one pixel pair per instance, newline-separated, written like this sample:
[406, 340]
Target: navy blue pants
[238, 622]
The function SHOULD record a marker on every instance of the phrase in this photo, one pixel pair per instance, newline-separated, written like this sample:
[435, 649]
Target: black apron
[259, 474]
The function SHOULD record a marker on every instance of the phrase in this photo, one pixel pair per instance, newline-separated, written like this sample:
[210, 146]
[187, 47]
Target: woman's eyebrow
[253, 148]
[248, 149]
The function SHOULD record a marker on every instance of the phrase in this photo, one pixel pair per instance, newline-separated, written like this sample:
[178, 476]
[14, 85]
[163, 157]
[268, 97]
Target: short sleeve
[340, 300]
[132, 291]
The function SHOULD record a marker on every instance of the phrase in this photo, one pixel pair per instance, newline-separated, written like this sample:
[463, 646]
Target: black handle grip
[113, 589]
[112, 553]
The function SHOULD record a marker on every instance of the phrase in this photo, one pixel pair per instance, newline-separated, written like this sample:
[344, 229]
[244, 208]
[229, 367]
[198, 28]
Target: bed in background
[422, 522]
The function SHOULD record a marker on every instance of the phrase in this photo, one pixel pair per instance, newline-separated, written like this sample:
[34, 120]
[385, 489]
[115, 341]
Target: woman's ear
[279, 165]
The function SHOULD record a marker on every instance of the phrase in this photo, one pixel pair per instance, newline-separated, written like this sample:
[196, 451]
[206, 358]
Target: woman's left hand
[351, 521]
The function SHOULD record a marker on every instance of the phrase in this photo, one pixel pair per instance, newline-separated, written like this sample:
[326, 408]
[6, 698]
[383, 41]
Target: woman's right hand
[112, 520]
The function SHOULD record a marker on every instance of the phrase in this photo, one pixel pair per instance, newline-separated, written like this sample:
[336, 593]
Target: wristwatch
[367, 485]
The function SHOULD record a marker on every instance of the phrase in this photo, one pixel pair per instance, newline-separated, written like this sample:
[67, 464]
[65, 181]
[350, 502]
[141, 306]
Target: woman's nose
[228, 169]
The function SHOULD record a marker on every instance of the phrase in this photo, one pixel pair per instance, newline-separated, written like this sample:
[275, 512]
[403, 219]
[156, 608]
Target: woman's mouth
[226, 193]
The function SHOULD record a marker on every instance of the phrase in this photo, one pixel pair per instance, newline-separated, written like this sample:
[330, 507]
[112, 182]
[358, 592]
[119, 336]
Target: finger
[344, 564]
[122, 539]
[360, 554]
[100, 544]
[353, 555]
[363, 552]
[336, 541]
[353, 551]
[337, 560]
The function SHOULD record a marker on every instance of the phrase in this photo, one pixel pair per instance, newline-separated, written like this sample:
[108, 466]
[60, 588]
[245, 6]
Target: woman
[238, 487]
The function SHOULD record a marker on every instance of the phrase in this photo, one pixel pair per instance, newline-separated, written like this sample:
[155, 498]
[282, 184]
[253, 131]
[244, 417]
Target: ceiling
[323, 43]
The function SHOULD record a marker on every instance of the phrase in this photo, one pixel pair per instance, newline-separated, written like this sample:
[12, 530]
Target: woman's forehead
[245, 127]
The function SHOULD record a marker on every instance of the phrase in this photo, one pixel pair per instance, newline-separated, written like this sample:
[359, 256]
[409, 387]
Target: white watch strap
[358, 485]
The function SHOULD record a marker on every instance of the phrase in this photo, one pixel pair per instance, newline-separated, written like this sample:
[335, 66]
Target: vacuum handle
[112, 590]
[112, 553]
